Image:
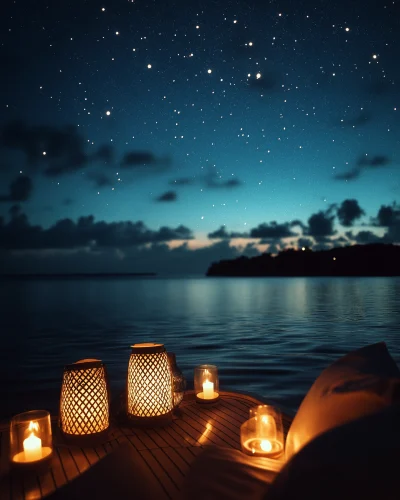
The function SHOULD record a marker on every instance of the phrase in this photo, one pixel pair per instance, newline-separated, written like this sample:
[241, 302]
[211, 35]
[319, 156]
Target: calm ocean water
[268, 336]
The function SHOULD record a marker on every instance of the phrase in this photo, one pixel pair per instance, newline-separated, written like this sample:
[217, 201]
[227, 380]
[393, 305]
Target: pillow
[359, 460]
[361, 383]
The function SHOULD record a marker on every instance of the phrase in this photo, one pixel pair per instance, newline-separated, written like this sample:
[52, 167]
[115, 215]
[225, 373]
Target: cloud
[222, 234]
[350, 175]
[56, 151]
[213, 181]
[137, 159]
[373, 161]
[100, 179]
[61, 149]
[272, 231]
[20, 190]
[364, 163]
[364, 237]
[182, 181]
[168, 196]
[320, 226]
[361, 119]
[305, 242]
[19, 234]
[388, 216]
[349, 211]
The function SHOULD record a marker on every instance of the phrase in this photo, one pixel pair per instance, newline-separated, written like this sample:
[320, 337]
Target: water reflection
[268, 336]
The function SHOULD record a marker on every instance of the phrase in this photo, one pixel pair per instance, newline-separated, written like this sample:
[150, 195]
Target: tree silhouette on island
[358, 260]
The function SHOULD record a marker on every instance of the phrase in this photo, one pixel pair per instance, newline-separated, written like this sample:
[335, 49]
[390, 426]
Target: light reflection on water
[268, 336]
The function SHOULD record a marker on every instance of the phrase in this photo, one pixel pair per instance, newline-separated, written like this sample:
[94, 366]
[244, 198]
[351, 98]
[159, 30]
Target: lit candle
[208, 389]
[32, 445]
[266, 445]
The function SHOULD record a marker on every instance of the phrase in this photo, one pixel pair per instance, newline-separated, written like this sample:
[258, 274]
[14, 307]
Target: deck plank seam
[214, 441]
[219, 431]
[156, 477]
[164, 469]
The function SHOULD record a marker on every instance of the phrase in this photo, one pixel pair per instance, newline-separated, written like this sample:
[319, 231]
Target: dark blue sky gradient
[262, 117]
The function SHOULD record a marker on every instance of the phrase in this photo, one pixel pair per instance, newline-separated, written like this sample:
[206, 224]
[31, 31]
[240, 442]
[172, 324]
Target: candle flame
[266, 445]
[33, 426]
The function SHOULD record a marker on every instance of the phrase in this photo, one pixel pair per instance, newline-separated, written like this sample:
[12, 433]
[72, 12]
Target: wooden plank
[176, 459]
[46, 482]
[186, 454]
[57, 470]
[81, 461]
[203, 432]
[91, 456]
[165, 458]
[229, 435]
[160, 474]
[31, 486]
[17, 488]
[67, 463]
[180, 438]
[159, 440]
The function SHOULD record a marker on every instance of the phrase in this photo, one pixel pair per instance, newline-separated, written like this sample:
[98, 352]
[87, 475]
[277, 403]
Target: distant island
[73, 275]
[358, 260]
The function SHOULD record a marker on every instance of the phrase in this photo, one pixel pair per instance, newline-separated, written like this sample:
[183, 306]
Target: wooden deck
[166, 452]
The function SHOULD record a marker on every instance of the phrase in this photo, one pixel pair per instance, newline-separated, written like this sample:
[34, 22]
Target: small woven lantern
[149, 383]
[84, 403]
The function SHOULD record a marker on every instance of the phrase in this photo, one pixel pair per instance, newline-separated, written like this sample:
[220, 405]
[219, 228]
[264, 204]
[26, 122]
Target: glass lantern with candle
[30, 438]
[206, 384]
[262, 434]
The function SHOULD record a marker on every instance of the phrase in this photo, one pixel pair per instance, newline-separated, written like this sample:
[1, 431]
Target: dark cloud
[361, 119]
[104, 153]
[320, 226]
[373, 161]
[56, 151]
[350, 175]
[272, 231]
[222, 233]
[100, 179]
[363, 163]
[305, 242]
[168, 196]
[182, 181]
[349, 211]
[388, 216]
[64, 147]
[20, 190]
[19, 234]
[135, 159]
[364, 237]
[213, 181]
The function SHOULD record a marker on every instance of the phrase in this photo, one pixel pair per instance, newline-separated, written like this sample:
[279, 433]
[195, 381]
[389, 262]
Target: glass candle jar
[30, 437]
[206, 383]
[262, 434]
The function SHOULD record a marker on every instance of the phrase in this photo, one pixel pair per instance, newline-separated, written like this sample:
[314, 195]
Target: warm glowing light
[250, 44]
[32, 444]
[374, 56]
[208, 389]
[84, 404]
[303, 249]
[149, 388]
[266, 445]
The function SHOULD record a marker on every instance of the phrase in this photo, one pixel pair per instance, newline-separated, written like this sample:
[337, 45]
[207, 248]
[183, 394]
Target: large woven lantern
[149, 383]
[84, 403]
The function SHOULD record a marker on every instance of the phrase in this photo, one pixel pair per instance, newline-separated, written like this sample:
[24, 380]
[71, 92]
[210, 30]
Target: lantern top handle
[82, 364]
[147, 348]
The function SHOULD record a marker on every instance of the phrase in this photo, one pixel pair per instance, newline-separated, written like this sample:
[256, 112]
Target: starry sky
[161, 136]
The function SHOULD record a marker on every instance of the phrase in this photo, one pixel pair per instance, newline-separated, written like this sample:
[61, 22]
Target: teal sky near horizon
[270, 119]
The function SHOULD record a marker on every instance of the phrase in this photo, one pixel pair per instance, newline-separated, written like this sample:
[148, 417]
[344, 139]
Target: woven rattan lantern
[84, 403]
[149, 383]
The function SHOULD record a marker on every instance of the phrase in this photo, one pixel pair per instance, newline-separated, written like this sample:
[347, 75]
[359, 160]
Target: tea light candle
[30, 438]
[206, 384]
[32, 445]
[262, 434]
[208, 390]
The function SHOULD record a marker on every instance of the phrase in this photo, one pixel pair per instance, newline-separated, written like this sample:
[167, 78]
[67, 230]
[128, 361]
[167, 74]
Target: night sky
[161, 136]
